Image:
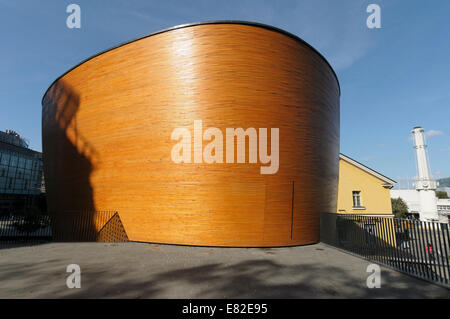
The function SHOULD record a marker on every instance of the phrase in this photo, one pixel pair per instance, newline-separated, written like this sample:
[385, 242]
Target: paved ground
[139, 270]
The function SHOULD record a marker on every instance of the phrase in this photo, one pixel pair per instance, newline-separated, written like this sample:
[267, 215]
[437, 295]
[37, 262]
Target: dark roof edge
[255, 24]
[18, 149]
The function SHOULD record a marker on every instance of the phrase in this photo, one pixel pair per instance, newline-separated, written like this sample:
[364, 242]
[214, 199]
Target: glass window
[13, 160]
[356, 199]
[11, 172]
[18, 184]
[21, 162]
[5, 159]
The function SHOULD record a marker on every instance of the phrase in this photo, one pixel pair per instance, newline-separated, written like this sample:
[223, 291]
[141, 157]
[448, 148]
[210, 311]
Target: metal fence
[418, 248]
[21, 229]
[76, 226]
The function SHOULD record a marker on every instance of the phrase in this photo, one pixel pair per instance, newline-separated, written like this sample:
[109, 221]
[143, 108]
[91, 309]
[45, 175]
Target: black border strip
[181, 26]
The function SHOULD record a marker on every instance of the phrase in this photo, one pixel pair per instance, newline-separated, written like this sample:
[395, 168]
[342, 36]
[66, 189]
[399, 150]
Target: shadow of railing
[87, 226]
[69, 161]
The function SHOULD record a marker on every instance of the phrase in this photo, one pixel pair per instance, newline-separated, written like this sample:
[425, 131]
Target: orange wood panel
[107, 144]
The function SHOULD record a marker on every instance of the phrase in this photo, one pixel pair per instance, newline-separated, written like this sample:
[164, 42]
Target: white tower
[424, 185]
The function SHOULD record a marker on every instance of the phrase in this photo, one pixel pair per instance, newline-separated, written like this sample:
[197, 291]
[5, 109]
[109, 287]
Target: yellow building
[363, 197]
[362, 190]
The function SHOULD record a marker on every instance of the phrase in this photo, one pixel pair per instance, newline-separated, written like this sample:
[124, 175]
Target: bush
[399, 207]
[441, 194]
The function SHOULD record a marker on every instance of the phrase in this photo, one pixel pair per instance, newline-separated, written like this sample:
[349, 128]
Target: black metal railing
[418, 248]
[74, 226]
[21, 229]
[87, 226]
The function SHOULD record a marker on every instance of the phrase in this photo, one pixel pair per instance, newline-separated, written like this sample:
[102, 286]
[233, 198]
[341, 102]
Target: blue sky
[392, 79]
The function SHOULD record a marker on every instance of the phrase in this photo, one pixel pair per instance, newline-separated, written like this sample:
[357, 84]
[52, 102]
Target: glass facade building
[20, 167]
[20, 171]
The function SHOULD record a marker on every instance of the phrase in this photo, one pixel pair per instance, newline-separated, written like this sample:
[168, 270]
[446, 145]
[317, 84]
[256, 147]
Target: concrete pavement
[140, 270]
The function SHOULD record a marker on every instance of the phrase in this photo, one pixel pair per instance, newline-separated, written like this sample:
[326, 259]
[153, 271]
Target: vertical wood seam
[292, 208]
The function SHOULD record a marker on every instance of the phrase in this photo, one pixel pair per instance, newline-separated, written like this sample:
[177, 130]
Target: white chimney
[424, 185]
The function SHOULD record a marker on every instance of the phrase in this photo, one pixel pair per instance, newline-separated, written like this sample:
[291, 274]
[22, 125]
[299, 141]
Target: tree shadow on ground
[255, 278]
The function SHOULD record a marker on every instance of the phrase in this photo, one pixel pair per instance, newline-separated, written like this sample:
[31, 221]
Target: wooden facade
[107, 144]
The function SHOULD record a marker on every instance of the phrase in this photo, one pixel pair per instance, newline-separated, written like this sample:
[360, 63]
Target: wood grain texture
[107, 144]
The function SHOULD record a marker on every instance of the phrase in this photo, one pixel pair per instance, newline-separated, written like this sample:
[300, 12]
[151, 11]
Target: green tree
[441, 194]
[399, 207]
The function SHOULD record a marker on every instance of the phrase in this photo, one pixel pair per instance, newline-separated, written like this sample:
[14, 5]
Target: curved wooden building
[107, 136]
